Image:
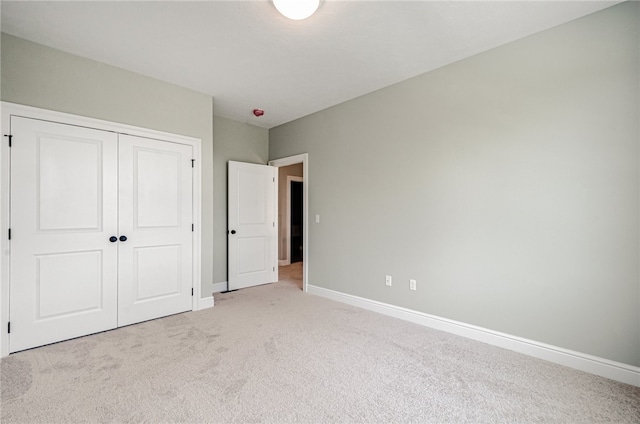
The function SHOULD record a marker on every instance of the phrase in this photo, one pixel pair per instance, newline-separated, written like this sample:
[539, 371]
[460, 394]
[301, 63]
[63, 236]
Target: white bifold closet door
[154, 263]
[64, 208]
[76, 194]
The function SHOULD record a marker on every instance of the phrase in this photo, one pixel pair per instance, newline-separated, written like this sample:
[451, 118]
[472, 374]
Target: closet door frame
[7, 110]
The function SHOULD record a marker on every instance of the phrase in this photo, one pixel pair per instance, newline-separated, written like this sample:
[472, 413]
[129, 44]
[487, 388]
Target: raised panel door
[63, 212]
[155, 276]
[252, 230]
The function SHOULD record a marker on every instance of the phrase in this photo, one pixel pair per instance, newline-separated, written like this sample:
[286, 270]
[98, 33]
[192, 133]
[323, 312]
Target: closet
[102, 230]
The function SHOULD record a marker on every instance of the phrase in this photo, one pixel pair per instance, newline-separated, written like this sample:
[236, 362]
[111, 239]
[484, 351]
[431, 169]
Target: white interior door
[155, 261]
[252, 225]
[63, 213]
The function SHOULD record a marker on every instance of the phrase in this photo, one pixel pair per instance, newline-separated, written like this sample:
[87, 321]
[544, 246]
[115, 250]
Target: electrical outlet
[389, 280]
[412, 284]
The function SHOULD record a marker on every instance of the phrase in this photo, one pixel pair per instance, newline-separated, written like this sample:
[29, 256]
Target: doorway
[296, 237]
[293, 222]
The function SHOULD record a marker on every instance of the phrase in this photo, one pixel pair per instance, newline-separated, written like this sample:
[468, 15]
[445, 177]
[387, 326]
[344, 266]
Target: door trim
[12, 109]
[292, 160]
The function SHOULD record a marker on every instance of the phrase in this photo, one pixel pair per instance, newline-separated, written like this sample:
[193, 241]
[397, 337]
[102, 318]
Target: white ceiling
[246, 55]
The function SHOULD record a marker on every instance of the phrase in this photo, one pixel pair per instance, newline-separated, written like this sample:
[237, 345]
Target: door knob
[233, 231]
[113, 239]
[123, 238]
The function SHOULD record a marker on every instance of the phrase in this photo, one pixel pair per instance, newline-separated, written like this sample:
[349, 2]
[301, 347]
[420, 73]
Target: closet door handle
[113, 239]
[123, 238]
[233, 231]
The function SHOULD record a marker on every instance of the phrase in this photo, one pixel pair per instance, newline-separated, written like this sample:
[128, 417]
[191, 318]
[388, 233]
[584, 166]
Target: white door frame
[11, 109]
[287, 258]
[292, 160]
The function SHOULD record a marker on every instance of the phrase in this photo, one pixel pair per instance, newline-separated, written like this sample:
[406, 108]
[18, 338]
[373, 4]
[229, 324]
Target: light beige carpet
[275, 354]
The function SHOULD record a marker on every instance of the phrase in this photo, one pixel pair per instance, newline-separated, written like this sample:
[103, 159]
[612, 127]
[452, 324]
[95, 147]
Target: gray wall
[507, 184]
[39, 76]
[234, 141]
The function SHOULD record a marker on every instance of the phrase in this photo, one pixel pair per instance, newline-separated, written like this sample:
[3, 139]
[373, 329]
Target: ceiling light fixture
[297, 9]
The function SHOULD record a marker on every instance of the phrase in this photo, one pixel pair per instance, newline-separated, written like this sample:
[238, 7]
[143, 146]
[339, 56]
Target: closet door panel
[155, 261]
[63, 212]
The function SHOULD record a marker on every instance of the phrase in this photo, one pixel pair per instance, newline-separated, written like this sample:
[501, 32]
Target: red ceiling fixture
[258, 112]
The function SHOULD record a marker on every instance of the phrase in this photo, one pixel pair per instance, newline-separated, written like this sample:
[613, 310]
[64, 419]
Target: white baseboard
[283, 262]
[219, 287]
[581, 361]
[205, 302]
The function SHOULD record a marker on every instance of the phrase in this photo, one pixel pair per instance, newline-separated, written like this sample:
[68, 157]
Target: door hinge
[192, 227]
[193, 161]
[274, 224]
[9, 233]
[10, 137]
[274, 269]
[191, 291]
[9, 327]
[274, 179]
